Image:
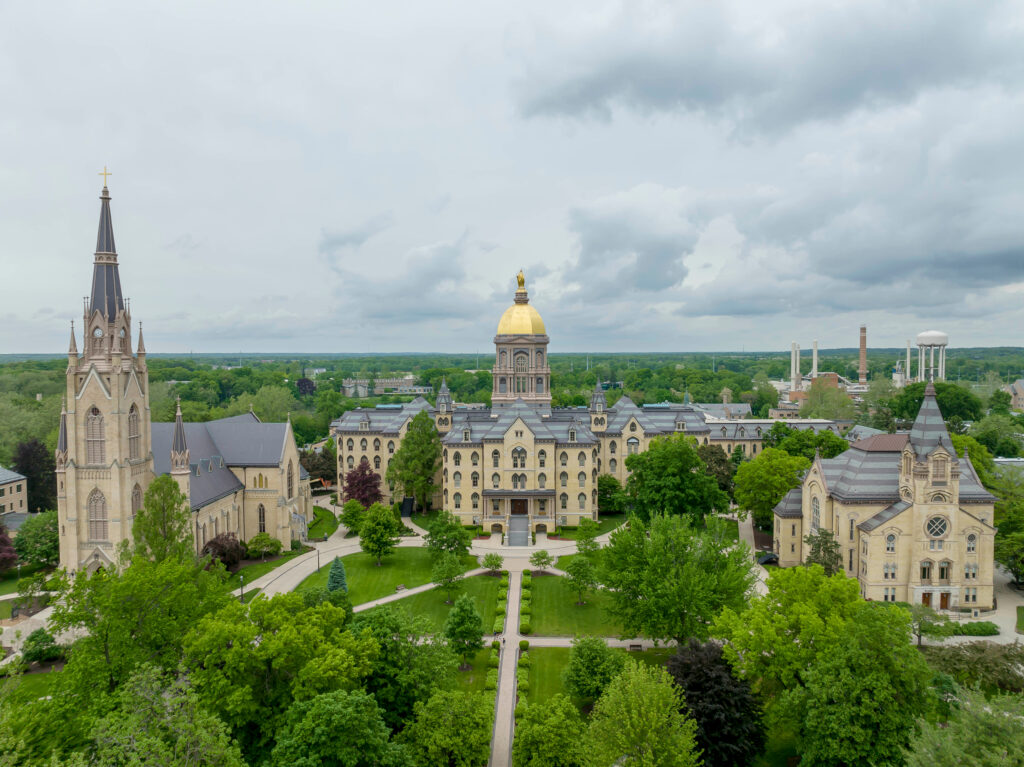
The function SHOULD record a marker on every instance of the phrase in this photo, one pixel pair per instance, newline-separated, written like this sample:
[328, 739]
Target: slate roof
[929, 429]
[6, 475]
[790, 505]
[383, 419]
[106, 296]
[215, 446]
[884, 516]
[724, 410]
[860, 431]
[12, 521]
[748, 428]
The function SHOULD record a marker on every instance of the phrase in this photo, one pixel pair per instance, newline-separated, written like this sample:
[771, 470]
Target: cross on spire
[104, 173]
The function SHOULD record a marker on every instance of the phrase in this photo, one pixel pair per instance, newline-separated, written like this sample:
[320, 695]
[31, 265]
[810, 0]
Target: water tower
[928, 368]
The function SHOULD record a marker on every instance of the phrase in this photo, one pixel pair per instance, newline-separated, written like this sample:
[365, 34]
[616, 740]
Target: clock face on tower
[98, 333]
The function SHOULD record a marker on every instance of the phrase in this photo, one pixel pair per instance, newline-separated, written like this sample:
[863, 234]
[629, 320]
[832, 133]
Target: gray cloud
[769, 66]
[332, 241]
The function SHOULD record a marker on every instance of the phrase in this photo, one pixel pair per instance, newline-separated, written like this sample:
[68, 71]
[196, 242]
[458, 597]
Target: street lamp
[318, 559]
[241, 586]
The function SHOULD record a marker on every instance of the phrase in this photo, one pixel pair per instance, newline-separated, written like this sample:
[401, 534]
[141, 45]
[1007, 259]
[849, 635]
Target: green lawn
[605, 525]
[37, 684]
[366, 582]
[555, 612]
[9, 580]
[1020, 620]
[473, 679]
[5, 608]
[483, 589]
[254, 571]
[324, 524]
[547, 664]
[732, 528]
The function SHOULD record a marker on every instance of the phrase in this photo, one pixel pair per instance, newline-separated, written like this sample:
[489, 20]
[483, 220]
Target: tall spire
[598, 401]
[929, 429]
[179, 445]
[106, 294]
[142, 346]
[444, 397]
[61, 454]
[73, 346]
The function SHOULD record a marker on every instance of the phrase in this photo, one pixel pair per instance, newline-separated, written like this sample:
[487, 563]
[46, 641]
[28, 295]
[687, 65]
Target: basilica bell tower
[104, 451]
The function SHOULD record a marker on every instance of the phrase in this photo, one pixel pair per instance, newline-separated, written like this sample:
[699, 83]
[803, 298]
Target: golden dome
[521, 319]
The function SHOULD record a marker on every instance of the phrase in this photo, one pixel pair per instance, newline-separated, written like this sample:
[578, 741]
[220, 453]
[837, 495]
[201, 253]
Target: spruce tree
[336, 579]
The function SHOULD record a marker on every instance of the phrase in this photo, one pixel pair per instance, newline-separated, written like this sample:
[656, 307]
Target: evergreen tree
[824, 551]
[416, 462]
[362, 484]
[728, 715]
[377, 532]
[35, 462]
[336, 578]
[464, 629]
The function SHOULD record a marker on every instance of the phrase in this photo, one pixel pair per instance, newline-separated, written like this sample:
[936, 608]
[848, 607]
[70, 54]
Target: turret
[61, 453]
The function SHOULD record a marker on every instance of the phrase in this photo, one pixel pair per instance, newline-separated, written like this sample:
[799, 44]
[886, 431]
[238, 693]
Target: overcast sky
[343, 177]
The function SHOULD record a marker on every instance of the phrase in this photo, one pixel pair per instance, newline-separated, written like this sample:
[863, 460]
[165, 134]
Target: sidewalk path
[409, 592]
[746, 527]
[505, 706]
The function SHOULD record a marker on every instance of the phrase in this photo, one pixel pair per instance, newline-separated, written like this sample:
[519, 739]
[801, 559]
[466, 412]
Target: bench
[636, 648]
[399, 587]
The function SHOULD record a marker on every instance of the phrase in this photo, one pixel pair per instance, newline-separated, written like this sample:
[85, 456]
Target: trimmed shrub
[524, 627]
[40, 646]
[527, 595]
[495, 645]
[491, 681]
[520, 709]
[500, 611]
[978, 629]
[493, 662]
[296, 544]
[524, 644]
[523, 685]
[524, 660]
[499, 625]
[526, 573]
[502, 594]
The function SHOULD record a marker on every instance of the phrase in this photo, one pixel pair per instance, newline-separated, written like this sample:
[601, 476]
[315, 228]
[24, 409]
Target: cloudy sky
[343, 177]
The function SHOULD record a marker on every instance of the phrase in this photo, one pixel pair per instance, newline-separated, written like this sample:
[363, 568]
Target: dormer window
[465, 435]
[632, 426]
[572, 435]
[364, 426]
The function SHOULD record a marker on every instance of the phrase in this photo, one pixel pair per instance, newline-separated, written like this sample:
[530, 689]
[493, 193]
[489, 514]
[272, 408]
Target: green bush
[524, 627]
[526, 573]
[527, 595]
[525, 614]
[495, 645]
[502, 594]
[524, 660]
[491, 681]
[40, 647]
[523, 685]
[500, 611]
[520, 709]
[524, 644]
[499, 625]
[493, 662]
[979, 629]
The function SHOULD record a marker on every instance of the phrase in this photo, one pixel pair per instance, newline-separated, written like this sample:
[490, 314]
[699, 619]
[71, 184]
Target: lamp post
[318, 559]
[241, 586]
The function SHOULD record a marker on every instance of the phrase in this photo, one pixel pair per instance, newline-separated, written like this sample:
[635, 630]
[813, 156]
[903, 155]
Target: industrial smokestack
[862, 370]
[814, 362]
[906, 373]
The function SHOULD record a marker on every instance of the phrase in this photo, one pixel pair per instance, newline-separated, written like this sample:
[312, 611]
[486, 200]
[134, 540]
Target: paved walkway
[505, 705]
[746, 527]
[409, 592]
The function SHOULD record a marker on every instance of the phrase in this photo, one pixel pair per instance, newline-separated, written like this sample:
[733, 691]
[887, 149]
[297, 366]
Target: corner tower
[521, 354]
[105, 458]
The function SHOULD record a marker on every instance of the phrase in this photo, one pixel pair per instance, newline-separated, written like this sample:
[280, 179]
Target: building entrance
[944, 600]
[520, 506]
[926, 599]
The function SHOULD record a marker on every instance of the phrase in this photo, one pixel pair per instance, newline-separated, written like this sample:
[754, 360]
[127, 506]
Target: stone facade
[109, 451]
[13, 492]
[521, 457]
[912, 519]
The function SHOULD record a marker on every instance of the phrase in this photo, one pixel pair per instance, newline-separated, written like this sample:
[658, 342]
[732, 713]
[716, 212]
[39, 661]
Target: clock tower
[104, 452]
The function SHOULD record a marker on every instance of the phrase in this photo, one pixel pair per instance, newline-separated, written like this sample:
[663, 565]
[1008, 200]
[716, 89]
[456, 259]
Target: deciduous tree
[541, 560]
[718, 465]
[343, 728]
[762, 482]
[415, 463]
[980, 732]
[263, 545]
[925, 622]
[362, 484]
[378, 532]
[728, 715]
[953, 399]
[447, 572]
[453, 729]
[667, 581]
[493, 562]
[38, 540]
[548, 735]
[592, 666]
[446, 533]
[670, 478]
[586, 538]
[638, 723]
[824, 401]
[224, 548]
[163, 526]
[610, 497]
[581, 576]
[352, 514]
[464, 629]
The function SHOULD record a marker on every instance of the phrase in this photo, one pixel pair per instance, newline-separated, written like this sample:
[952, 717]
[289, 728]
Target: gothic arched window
[563, 501]
[563, 479]
[476, 501]
[582, 458]
[612, 446]
[350, 461]
[521, 363]
[376, 444]
[261, 518]
[457, 479]
[542, 457]
[133, 434]
[376, 462]
[457, 459]
[97, 508]
[457, 498]
[350, 444]
[582, 501]
[291, 480]
[613, 465]
[476, 479]
[542, 480]
[362, 444]
[495, 480]
[495, 458]
[583, 479]
[815, 514]
[518, 458]
[94, 442]
[632, 445]
[474, 458]
[136, 500]
[564, 458]
[391, 447]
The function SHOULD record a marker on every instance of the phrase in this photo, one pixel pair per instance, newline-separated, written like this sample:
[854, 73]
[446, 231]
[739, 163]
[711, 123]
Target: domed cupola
[521, 353]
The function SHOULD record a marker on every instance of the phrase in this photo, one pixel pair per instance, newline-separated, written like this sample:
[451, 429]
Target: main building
[522, 465]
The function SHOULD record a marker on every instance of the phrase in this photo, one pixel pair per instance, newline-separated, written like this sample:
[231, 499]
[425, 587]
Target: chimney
[814, 362]
[862, 369]
[906, 373]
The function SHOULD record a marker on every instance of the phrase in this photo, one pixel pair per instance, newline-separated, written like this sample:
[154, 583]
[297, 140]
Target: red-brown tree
[363, 485]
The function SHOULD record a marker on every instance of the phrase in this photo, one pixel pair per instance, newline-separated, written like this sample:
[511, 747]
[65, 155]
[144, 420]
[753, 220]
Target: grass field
[555, 612]
[473, 680]
[254, 571]
[483, 589]
[9, 580]
[366, 582]
[548, 662]
[36, 684]
[605, 525]
[1020, 620]
[324, 524]
[5, 608]
[732, 528]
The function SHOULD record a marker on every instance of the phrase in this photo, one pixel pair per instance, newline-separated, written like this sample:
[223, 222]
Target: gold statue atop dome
[521, 279]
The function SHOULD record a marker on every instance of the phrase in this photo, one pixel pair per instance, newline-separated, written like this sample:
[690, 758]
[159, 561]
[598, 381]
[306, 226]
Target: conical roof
[106, 296]
[178, 443]
[62, 434]
[929, 429]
